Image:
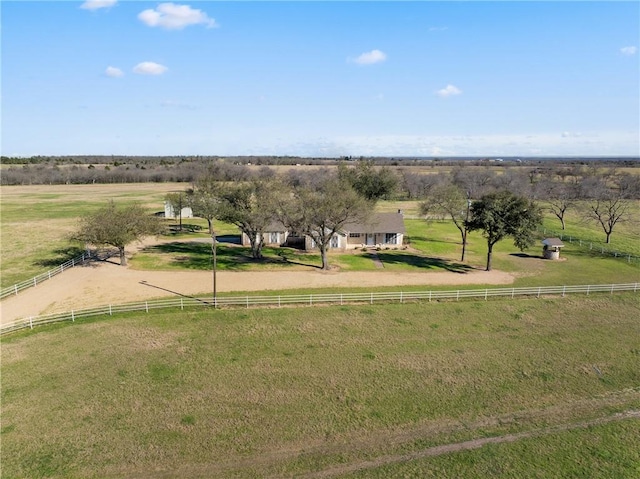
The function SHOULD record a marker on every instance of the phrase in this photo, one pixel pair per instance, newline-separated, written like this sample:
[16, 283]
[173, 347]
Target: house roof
[378, 223]
[553, 242]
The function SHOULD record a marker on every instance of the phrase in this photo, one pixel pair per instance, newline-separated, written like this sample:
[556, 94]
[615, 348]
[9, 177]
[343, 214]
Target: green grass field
[36, 222]
[361, 391]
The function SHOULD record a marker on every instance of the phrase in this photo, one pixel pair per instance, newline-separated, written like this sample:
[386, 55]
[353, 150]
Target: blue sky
[320, 78]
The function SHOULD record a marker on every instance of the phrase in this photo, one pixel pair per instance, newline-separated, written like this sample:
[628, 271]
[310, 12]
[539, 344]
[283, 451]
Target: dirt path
[105, 283]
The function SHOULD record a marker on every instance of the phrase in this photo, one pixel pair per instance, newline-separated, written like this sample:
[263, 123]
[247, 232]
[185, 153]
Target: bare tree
[323, 211]
[449, 201]
[251, 206]
[608, 208]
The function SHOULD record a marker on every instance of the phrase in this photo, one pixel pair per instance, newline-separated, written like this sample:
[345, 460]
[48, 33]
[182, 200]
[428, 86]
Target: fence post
[588, 287]
[247, 302]
[73, 262]
[146, 306]
[611, 289]
[15, 287]
[538, 291]
[49, 274]
[400, 297]
[486, 292]
[73, 317]
[279, 305]
[564, 288]
[35, 281]
[31, 321]
[429, 296]
[371, 298]
[458, 295]
[310, 299]
[181, 303]
[513, 292]
[110, 311]
[341, 299]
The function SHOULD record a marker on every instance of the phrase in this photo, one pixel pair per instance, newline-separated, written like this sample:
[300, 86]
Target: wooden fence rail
[315, 299]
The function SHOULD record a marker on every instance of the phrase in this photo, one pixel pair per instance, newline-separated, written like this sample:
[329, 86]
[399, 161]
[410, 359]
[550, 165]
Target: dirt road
[105, 283]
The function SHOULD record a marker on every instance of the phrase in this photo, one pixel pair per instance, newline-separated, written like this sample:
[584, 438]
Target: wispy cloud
[97, 4]
[629, 50]
[369, 58]
[113, 72]
[149, 68]
[172, 16]
[449, 90]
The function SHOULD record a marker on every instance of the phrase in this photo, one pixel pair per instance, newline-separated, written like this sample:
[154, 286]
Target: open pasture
[36, 222]
[292, 392]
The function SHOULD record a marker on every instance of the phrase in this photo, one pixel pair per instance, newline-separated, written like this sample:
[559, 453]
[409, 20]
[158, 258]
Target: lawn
[289, 392]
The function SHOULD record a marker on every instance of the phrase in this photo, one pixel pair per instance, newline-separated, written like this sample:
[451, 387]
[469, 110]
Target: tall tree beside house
[251, 206]
[117, 226]
[503, 214]
[205, 199]
[449, 201]
[322, 211]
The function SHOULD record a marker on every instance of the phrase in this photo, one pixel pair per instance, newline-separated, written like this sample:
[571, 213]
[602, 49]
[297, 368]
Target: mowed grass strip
[290, 391]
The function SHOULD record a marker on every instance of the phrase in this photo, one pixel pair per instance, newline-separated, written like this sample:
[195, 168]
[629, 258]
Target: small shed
[551, 248]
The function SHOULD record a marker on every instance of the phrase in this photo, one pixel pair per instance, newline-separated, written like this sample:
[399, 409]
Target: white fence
[315, 299]
[16, 288]
[595, 247]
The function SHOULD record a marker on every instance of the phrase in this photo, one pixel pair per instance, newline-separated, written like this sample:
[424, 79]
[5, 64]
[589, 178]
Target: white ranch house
[382, 230]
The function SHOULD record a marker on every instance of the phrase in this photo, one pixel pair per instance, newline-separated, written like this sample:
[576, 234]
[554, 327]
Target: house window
[391, 238]
[334, 241]
[274, 238]
[354, 235]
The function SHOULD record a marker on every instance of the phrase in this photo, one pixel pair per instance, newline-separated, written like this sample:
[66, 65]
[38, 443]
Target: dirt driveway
[104, 283]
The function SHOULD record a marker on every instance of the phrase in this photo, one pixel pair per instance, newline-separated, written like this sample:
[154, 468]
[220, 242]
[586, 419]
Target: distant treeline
[414, 178]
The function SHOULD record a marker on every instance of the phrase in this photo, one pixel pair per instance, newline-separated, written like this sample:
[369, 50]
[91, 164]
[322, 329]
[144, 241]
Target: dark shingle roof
[378, 223]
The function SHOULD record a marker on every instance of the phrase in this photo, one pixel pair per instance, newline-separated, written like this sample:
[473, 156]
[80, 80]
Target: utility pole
[466, 221]
[215, 266]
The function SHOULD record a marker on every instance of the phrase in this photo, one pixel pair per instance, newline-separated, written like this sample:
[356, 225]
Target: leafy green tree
[504, 214]
[449, 201]
[117, 226]
[371, 183]
[322, 211]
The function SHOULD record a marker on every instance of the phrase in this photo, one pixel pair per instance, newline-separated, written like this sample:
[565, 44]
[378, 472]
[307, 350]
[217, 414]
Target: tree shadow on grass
[413, 238]
[423, 262]
[198, 255]
[62, 255]
[526, 255]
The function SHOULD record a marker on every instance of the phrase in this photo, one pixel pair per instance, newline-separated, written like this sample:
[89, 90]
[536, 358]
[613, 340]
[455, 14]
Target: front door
[370, 239]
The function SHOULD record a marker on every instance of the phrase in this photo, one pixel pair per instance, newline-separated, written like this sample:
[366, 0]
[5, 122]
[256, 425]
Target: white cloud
[629, 50]
[175, 17]
[97, 4]
[149, 68]
[449, 90]
[113, 72]
[369, 58]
